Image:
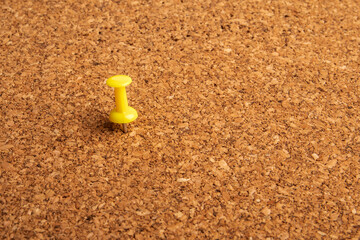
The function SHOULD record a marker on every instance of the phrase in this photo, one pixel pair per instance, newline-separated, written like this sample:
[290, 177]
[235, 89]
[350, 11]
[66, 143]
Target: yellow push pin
[122, 113]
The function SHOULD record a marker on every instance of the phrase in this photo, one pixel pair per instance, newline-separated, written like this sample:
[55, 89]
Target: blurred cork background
[248, 127]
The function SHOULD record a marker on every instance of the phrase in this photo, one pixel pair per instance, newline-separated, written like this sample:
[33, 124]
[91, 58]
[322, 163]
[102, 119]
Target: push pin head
[119, 81]
[122, 113]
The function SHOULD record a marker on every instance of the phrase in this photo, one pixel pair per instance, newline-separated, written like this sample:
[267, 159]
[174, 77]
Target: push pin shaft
[121, 99]
[122, 113]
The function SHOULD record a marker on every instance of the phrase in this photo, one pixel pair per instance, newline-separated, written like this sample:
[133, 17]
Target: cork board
[248, 121]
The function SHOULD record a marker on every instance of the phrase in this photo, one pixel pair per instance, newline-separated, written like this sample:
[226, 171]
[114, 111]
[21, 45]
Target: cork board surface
[248, 123]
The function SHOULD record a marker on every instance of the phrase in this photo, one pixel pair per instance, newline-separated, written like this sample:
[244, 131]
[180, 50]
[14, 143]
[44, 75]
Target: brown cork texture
[248, 127]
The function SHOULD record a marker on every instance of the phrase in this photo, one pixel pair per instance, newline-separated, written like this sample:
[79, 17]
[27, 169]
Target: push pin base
[123, 117]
